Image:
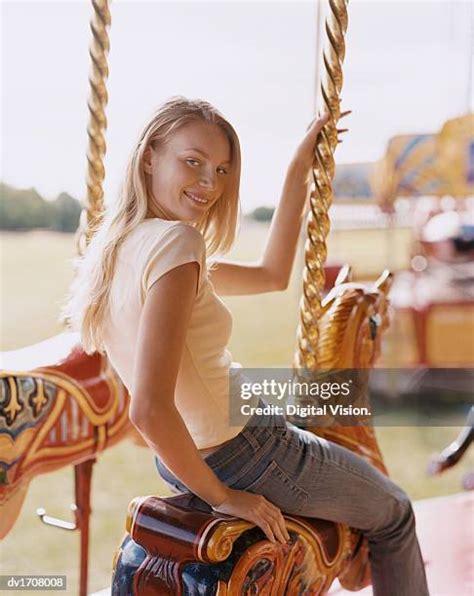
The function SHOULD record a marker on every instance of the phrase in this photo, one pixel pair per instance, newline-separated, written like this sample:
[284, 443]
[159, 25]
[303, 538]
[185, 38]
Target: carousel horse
[178, 545]
[58, 407]
[453, 453]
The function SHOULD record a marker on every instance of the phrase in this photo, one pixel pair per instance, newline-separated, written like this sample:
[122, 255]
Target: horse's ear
[344, 275]
[384, 282]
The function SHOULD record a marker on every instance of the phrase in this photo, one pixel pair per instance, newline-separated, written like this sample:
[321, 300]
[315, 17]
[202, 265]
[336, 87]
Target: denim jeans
[306, 475]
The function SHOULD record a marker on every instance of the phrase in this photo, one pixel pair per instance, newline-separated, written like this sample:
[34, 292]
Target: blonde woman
[144, 296]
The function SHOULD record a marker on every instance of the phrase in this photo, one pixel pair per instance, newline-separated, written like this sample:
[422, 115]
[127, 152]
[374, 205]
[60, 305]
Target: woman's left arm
[272, 272]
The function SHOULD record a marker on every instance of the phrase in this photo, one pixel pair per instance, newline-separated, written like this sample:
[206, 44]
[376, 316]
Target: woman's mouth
[196, 198]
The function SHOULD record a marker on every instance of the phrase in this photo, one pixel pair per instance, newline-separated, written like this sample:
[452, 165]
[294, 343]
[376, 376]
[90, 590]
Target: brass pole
[321, 195]
[317, 56]
[99, 72]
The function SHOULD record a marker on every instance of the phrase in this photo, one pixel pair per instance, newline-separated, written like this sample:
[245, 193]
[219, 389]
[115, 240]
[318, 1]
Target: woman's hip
[299, 472]
[243, 456]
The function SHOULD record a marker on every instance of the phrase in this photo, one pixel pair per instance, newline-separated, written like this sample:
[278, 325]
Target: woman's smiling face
[189, 172]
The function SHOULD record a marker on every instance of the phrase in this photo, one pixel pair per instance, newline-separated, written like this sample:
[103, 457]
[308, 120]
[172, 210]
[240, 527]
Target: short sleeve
[178, 245]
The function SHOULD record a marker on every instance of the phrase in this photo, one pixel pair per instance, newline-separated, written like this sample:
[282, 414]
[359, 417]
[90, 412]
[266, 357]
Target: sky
[406, 70]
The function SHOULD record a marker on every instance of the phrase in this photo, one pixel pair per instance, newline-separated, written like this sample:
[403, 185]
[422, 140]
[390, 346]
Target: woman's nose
[208, 179]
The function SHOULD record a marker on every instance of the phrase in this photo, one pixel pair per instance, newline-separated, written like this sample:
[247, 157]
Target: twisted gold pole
[99, 71]
[321, 195]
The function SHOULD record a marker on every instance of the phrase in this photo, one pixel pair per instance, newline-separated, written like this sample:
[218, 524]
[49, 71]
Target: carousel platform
[446, 533]
[445, 527]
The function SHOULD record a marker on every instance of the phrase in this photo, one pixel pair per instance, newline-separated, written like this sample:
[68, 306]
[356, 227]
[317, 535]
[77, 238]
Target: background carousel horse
[451, 454]
[58, 407]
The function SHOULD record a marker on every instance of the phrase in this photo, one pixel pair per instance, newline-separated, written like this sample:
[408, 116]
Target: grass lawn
[35, 275]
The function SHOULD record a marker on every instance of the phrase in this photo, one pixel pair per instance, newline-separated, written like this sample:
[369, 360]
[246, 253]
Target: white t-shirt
[152, 249]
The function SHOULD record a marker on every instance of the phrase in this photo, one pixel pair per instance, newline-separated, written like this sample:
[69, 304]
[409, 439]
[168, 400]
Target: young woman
[144, 296]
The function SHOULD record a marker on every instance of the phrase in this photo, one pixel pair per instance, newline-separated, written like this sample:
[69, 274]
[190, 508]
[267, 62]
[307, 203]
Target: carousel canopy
[436, 164]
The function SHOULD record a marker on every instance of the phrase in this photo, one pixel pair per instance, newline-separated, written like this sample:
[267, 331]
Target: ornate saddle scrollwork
[178, 545]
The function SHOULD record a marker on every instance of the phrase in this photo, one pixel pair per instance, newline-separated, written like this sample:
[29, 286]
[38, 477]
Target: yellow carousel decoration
[440, 164]
[61, 407]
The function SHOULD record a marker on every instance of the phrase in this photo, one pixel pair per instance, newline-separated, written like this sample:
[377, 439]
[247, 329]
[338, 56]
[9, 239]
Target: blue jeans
[306, 475]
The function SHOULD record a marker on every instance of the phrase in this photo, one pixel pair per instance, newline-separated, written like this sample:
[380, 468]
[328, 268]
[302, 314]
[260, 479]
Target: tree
[66, 213]
[262, 213]
[26, 209]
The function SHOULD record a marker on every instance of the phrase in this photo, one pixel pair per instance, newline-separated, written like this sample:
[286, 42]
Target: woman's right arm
[162, 331]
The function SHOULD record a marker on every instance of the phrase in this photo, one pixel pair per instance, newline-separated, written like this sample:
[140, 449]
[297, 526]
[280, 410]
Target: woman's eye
[222, 170]
[192, 162]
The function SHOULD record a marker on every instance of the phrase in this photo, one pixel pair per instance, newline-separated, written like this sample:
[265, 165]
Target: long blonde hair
[87, 302]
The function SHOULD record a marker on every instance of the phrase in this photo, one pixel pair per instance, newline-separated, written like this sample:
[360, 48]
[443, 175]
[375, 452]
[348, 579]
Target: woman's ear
[147, 160]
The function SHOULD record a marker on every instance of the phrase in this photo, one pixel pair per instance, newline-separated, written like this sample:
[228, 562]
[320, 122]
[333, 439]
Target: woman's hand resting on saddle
[256, 509]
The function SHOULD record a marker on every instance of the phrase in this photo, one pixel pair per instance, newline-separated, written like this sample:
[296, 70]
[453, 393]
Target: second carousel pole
[318, 225]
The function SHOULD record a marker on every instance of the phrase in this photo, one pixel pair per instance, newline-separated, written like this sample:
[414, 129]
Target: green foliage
[262, 213]
[67, 211]
[352, 182]
[26, 209]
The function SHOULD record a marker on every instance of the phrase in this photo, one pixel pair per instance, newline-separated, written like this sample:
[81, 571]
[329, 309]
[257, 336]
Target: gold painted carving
[39, 400]
[14, 407]
[99, 72]
[321, 192]
[222, 540]
[303, 566]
